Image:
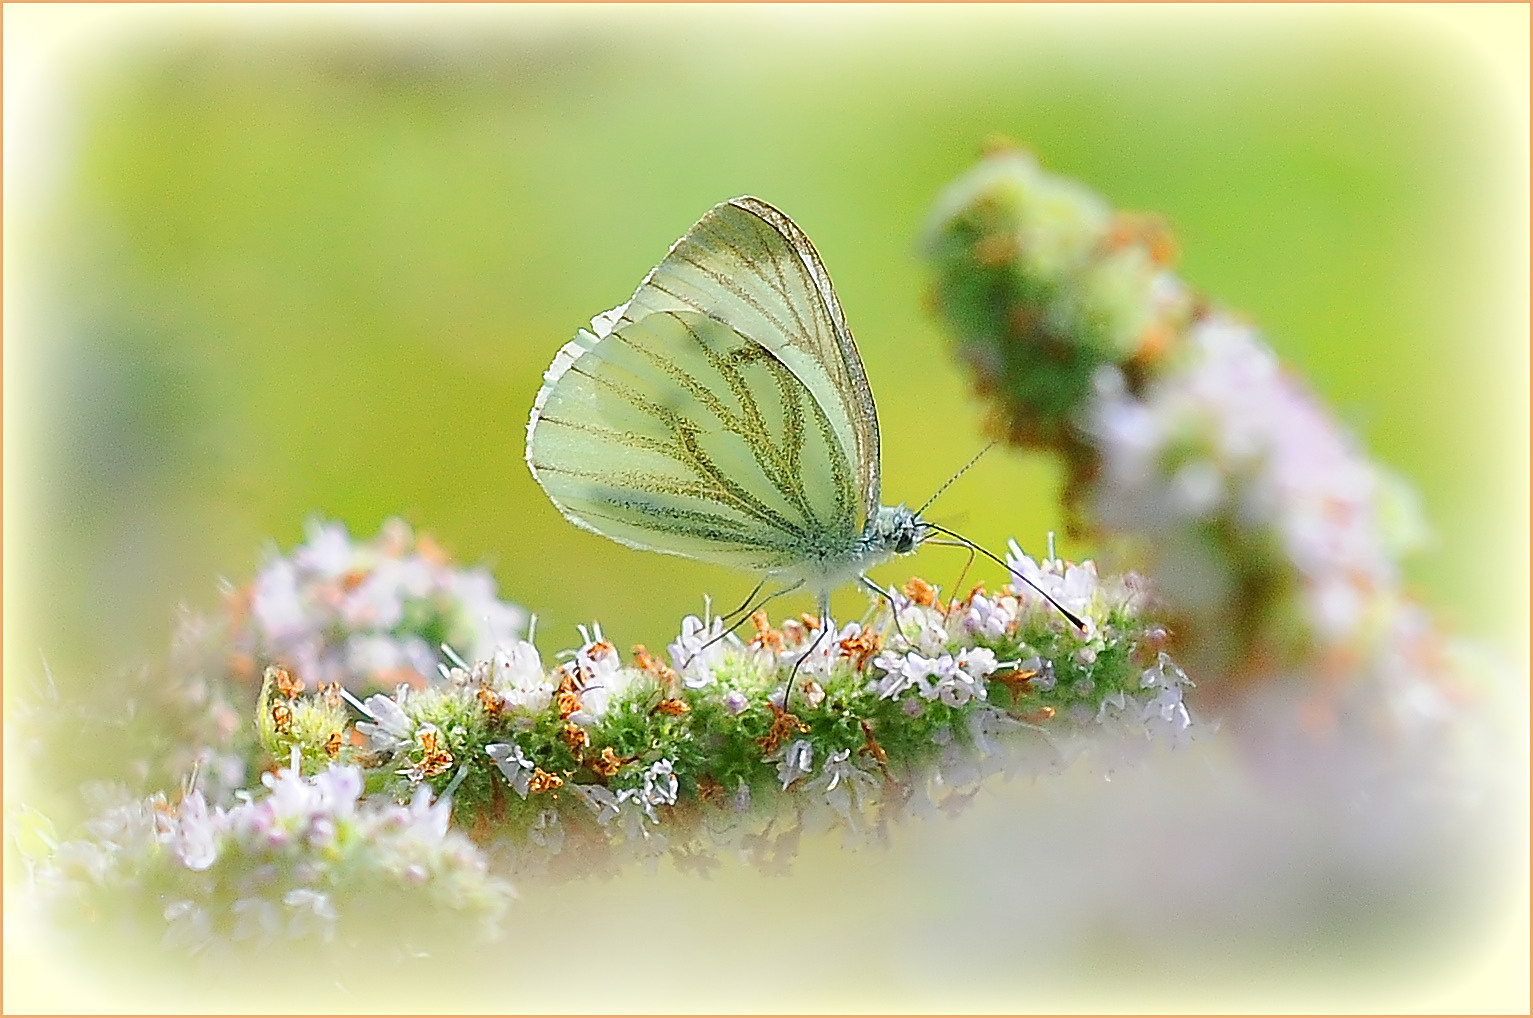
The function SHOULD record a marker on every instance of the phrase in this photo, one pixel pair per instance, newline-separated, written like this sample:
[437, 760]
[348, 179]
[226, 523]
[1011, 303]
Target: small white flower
[990, 618]
[900, 672]
[603, 674]
[328, 551]
[192, 834]
[735, 702]
[391, 728]
[547, 831]
[817, 657]
[276, 603]
[298, 807]
[492, 622]
[796, 761]
[978, 661]
[378, 602]
[597, 657]
[337, 790]
[698, 650]
[845, 786]
[660, 787]
[958, 679]
[1074, 586]
[1167, 680]
[517, 675]
[934, 636]
[430, 817]
[513, 763]
[602, 800]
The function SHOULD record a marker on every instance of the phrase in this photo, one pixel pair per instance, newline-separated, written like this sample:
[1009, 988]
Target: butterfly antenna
[949, 482]
[991, 556]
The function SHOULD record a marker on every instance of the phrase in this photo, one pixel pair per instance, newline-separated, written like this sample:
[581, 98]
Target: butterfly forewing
[677, 433]
[749, 266]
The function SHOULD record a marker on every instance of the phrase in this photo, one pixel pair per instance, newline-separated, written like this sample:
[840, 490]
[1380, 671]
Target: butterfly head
[895, 529]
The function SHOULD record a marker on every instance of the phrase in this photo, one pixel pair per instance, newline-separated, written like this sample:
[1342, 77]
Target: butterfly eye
[906, 542]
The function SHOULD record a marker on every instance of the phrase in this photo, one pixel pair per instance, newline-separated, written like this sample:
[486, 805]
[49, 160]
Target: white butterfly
[723, 414]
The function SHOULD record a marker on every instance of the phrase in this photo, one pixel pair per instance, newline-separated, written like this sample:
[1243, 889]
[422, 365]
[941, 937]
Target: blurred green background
[263, 263]
[317, 262]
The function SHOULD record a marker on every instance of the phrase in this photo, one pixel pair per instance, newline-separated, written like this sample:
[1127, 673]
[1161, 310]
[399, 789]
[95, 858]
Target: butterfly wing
[722, 413]
[749, 266]
[674, 432]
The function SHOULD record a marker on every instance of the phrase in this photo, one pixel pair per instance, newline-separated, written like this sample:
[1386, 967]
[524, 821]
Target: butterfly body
[723, 413]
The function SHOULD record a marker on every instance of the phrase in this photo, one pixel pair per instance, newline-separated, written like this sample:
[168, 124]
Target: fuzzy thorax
[892, 530]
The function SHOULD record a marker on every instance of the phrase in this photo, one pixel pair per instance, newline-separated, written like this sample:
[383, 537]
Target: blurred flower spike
[367, 614]
[308, 862]
[1272, 538]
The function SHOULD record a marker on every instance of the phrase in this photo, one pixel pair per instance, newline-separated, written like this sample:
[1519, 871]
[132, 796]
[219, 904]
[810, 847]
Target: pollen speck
[921, 592]
[492, 702]
[566, 703]
[542, 781]
[783, 725]
[766, 636]
[288, 685]
[575, 737]
[608, 764]
[860, 648]
[646, 661]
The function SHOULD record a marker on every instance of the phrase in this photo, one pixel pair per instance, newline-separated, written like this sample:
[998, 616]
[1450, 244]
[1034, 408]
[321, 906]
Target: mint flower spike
[347, 616]
[307, 865]
[367, 614]
[630, 756]
[1274, 540]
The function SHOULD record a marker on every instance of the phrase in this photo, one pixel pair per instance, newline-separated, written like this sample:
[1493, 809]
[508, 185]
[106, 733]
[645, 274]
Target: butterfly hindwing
[675, 432]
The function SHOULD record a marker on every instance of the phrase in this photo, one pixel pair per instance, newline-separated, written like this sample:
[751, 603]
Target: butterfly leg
[744, 611]
[958, 584]
[894, 607]
[825, 624]
[741, 609]
[880, 593]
